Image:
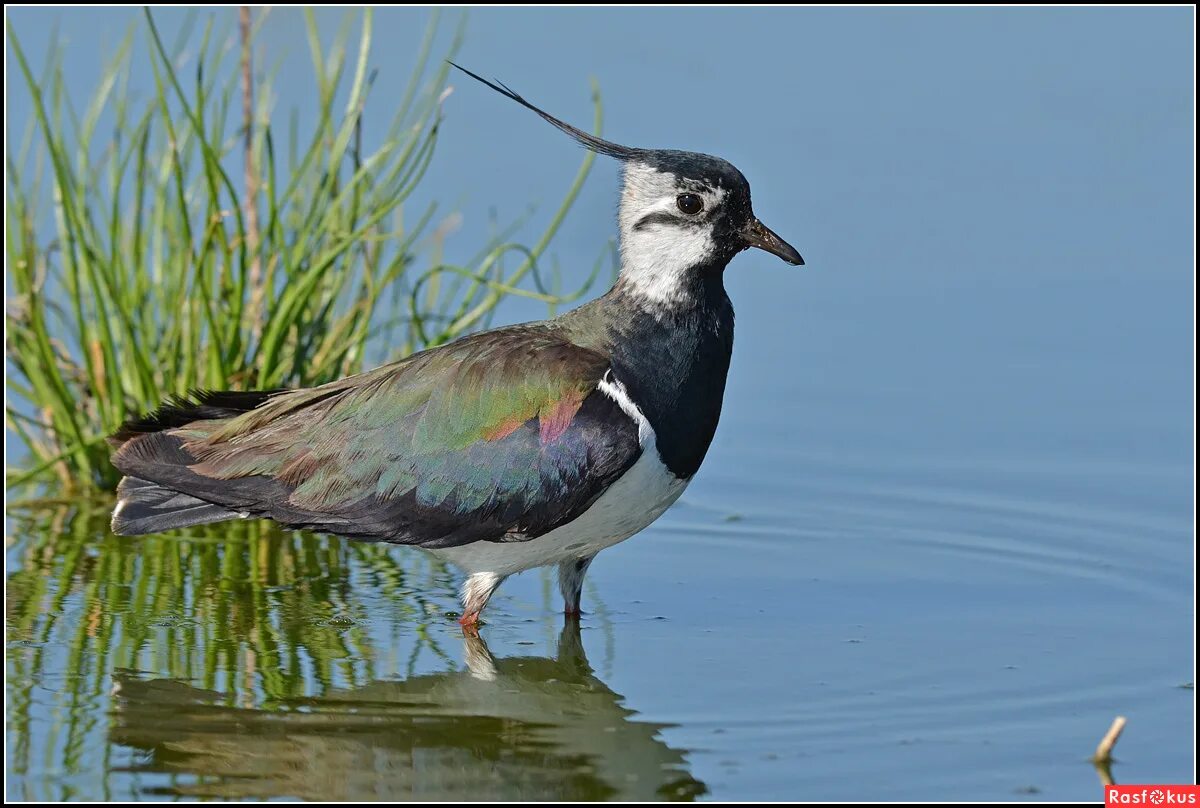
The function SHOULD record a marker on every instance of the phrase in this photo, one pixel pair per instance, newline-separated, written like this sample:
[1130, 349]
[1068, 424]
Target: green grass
[182, 240]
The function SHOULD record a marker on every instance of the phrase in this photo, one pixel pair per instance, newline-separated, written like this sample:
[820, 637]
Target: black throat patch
[673, 363]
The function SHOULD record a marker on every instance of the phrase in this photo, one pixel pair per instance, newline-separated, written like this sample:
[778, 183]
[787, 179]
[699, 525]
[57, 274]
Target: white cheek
[655, 261]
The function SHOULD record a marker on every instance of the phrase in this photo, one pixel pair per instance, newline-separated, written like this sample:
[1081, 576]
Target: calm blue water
[946, 531]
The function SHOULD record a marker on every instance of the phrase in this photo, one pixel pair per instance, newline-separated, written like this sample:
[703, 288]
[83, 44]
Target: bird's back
[497, 436]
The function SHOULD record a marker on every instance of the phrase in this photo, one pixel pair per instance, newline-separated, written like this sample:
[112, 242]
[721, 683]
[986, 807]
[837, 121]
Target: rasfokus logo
[1152, 795]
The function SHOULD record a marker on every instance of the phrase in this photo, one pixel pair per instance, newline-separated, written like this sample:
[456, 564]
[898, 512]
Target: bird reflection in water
[515, 728]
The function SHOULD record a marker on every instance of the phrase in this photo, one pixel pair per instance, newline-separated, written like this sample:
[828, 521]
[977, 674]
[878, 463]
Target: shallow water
[859, 638]
[945, 533]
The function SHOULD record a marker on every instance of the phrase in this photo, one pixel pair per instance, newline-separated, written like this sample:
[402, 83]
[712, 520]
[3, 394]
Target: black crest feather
[596, 144]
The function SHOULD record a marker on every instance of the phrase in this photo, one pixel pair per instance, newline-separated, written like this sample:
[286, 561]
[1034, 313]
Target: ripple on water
[1072, 523]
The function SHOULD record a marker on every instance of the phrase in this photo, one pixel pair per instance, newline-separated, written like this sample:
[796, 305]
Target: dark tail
[199, 405]
[146, 507]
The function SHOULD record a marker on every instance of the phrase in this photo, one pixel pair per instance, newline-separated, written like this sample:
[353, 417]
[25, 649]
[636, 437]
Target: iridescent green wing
[500, 436]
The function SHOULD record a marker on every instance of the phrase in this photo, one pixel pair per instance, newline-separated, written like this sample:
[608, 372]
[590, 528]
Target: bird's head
[683, 215]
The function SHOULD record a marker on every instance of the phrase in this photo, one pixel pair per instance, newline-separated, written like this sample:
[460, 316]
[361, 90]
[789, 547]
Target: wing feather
[497, 434]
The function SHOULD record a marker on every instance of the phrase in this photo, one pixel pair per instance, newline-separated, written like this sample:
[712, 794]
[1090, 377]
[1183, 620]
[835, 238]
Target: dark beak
[757, 234]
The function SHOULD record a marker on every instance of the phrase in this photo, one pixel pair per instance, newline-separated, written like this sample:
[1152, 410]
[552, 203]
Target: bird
[525, 446]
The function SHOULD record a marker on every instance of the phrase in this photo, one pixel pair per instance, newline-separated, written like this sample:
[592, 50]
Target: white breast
[636, 499]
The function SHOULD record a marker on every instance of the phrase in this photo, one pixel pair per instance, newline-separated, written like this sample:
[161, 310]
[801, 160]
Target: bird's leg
[475, 594]
[570, 583]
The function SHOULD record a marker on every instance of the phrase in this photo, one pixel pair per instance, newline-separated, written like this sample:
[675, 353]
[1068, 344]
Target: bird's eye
[691, 204]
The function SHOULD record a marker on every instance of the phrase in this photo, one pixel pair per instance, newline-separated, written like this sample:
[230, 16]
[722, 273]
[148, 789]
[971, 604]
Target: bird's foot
[470, 624]
[476, 591]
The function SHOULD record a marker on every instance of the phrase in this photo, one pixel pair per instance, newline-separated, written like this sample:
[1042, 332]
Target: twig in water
[1102, 760]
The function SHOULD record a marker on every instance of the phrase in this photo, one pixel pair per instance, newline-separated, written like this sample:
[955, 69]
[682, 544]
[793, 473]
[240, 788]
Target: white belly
[636, 499]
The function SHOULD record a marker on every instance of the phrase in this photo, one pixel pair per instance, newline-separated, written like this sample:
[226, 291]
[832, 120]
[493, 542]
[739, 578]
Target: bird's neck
[673, 360]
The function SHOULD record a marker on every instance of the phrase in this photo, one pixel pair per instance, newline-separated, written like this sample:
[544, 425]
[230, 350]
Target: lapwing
[524, 446]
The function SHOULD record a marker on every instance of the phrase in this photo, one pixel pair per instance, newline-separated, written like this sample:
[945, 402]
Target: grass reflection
[249, 611]
[246, 662]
